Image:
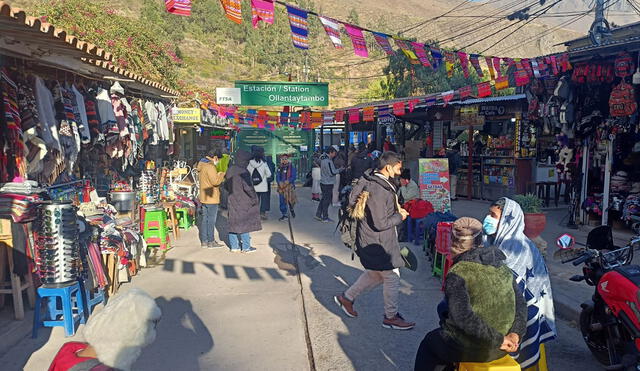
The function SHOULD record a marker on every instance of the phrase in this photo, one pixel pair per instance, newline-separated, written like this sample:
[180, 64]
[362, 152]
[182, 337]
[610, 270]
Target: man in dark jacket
[377, 240]
[486, 315]
[244, 207]
[361, 162]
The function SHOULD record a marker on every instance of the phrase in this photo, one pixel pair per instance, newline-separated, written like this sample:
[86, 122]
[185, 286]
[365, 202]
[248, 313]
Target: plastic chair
[443, 245]
[155, 220]
[505, 363]
[92, 298]
[185, 221]
[72, 311]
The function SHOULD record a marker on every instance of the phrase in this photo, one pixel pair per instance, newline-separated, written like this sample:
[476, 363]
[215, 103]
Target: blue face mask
[490, 225]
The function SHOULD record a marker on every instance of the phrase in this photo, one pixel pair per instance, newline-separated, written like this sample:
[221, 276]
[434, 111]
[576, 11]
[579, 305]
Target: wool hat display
[465, 235]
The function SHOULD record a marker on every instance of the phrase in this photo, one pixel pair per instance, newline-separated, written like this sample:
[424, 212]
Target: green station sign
[277, 141]
[266, 93]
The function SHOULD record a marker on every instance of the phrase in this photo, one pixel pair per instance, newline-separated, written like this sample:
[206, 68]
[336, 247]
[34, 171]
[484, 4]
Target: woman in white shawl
[504, 228]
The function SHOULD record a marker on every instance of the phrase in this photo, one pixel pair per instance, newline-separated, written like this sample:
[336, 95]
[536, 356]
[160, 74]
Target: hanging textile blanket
[339, 116]
[383, 42]
[450, 60]
[464, 92]
[332, 28]
[262, 10]
[421, 53]
[402, 44]
[368, 114]
[436, 54]
[484, 89]
[233, 10]
[299, 27]
[358, 41]
[354, 115]
[329, 117]
[178, 7]
[398, 108]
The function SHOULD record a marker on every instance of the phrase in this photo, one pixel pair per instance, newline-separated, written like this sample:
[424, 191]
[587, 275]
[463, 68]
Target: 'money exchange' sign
[264, 93]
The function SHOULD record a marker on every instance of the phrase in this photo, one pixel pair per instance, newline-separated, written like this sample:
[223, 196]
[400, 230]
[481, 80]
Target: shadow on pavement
[367, 345]
[181, 339]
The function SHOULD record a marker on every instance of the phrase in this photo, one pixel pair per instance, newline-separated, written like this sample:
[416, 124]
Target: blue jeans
[208, 217]
[244, 237]
[283, 206]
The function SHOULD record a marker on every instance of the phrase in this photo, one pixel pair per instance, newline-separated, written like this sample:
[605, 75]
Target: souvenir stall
[74, 134]
[588, 136]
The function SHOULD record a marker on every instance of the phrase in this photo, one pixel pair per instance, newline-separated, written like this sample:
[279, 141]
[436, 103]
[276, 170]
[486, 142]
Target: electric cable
[435, 18]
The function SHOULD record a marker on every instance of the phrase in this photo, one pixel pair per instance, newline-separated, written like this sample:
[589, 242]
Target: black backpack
[256, 178]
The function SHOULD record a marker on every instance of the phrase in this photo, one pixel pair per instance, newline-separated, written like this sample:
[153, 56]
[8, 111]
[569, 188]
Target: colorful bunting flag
[284, 119]
[464, 63]
[316, 119]
[383, 42]
[398, 108]
[262, 10]
[484, 89]
[421, 54]
[354, 116]
[299, 27]
[357, 39]
[502, 82]
[178, 7]
[332, 28]
[329, 117]
[294, 119]
[475, 62]
[339, 116]
[368, 114]
[450, 59]
[554, 66]
[521, 75]
[436, 54]
[233, 10]
[430, 101]
[464, 92]
[412, 104]
[305, 117]
[447, 97]
[496, 66]
[402, 44]
[526, 63]
[489, 61]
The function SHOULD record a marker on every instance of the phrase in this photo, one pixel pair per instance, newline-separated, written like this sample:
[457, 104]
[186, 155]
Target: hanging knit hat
[466, 235]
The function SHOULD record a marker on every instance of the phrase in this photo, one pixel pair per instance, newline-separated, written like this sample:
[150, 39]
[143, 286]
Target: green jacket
[485, 303]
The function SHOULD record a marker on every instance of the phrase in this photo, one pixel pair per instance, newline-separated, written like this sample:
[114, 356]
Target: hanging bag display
[624, 65]
[622, 101]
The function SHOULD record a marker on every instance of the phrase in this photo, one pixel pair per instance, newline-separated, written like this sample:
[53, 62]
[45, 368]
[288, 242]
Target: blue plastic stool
[419, 231]
[92, 298]
[72, 300]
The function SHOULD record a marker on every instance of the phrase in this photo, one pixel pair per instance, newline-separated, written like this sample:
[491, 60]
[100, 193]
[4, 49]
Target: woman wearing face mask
[504, 227]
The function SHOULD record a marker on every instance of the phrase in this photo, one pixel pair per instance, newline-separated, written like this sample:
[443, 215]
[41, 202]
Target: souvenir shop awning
[29, 38]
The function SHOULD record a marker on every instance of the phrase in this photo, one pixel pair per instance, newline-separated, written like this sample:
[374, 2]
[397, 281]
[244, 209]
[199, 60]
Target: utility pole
[600, 28]
[305, 69]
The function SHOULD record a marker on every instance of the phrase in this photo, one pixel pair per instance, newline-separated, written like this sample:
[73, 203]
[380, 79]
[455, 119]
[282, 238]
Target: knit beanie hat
[465, 235]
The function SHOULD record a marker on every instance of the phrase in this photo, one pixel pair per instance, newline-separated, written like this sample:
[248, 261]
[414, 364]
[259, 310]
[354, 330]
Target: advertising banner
[434, 183]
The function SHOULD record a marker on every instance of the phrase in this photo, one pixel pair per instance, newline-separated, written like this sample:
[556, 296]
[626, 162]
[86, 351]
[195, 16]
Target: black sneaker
[249, 250]
[327, 220]
[293, 213]
[283, 218]
[215, 245]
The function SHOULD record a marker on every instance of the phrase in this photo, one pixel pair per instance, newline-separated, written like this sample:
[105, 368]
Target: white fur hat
[120, 330]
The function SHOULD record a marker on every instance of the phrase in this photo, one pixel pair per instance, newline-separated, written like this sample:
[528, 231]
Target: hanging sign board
[266, 93]
[467, 116]
[228, 96]
[188, 115]
[434, 182]
[492, 110]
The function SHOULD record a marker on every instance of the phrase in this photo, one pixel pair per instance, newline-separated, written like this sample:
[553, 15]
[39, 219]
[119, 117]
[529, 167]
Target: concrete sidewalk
[273, 309]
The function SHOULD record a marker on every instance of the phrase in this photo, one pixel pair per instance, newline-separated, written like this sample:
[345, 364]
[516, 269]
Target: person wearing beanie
[486, 316]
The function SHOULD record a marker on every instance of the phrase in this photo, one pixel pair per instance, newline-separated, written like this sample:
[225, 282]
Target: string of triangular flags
[426, 55]
[266, 119]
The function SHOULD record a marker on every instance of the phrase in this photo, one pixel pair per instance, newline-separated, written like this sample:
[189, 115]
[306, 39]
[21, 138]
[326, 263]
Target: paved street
[273, 310]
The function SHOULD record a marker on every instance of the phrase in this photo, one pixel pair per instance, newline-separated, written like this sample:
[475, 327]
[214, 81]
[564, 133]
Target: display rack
[463, 176]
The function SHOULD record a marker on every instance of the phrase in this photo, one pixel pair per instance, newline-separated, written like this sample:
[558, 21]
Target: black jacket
[243, 205]
[376, 237]
[360, 163]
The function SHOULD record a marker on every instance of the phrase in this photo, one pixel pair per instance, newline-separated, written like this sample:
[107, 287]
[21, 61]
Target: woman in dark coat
[244, 207]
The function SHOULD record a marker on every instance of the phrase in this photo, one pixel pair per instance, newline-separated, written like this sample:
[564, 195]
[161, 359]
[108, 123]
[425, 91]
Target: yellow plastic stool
[505, 363]
[542, 362]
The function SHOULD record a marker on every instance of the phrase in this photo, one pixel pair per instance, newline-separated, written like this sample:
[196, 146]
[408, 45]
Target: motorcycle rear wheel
[596, 340]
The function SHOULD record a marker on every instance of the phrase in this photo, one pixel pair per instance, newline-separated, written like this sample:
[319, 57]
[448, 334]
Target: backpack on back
[348, 220]
[256, 178]
[622, 101]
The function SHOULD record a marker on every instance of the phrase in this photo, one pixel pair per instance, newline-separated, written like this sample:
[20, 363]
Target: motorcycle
[610, 321]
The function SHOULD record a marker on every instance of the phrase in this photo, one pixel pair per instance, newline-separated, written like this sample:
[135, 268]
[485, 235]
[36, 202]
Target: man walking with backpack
[374, 204]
